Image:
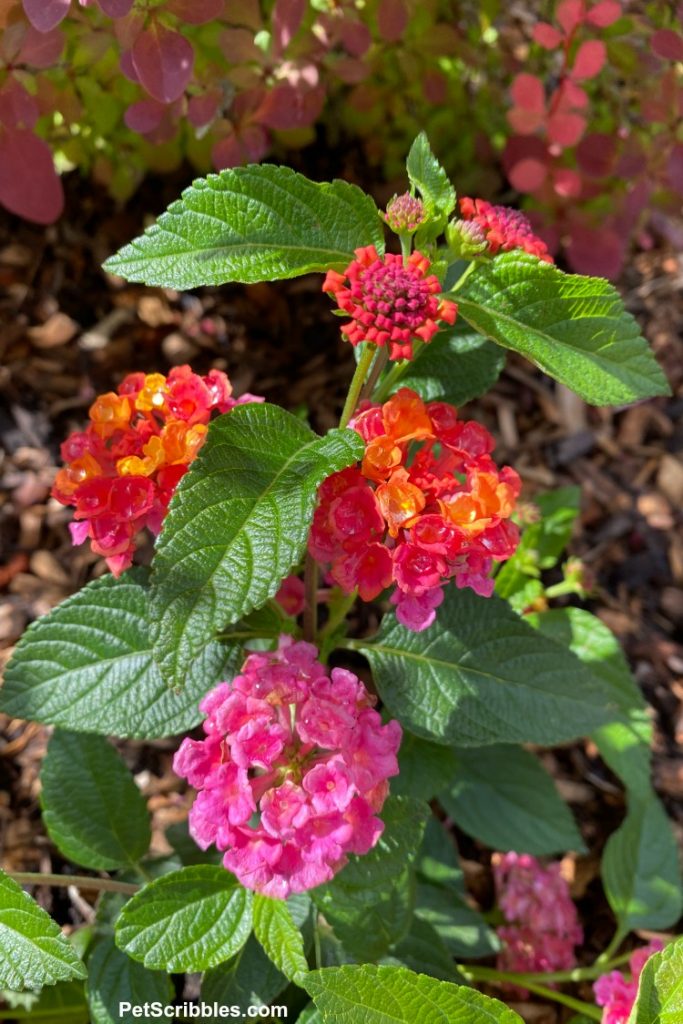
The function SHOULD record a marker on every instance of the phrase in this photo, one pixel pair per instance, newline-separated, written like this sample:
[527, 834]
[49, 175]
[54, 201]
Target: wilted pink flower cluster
[615, 993]
[543, 926]
[292, 771]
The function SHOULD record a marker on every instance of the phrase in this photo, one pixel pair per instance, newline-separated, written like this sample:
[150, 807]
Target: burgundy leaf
[567, 182]
[605, 13]
[528, 93]
[528, 174]
[355, 37]
[596, 154]
[286, 20]
[252, 145]
[144, 116]
[45, 15]
[590, 59]
[196, 12]
[128, 67]
[18, 109]
[595, 251]
[29, 184]
[115, 8]
[570, 13]
[163, 60]
[566, 129]
[41, 49]
[547, 36]
[201, 110]
[667, 44]
[392, 19]
[674, 168]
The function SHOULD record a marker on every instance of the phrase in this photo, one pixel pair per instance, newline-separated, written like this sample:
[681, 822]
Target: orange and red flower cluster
[503, 228]
[390, 302]
[121, 472]
[427, 505]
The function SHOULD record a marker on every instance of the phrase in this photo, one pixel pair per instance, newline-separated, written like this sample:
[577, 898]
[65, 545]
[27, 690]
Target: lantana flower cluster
[292, 771]
[122, 470]
[542, 926]
[427, 505]
[391, 302]
[503, 228]
[617, 994]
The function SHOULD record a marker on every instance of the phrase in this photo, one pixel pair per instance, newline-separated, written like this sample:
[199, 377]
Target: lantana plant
[329, 756]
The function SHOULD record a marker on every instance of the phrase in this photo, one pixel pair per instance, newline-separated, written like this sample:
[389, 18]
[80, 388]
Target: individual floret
[616, 993]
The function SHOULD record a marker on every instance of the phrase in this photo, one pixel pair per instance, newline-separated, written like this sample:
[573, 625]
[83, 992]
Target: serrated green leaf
[369, 994]
[462, 929]
[503, 797]
[187, 850]
[422, 950]
[237, 524]
[250, 978]
[424, 768]
[113, 977]
[63, 1003]
[256, 223]
[188, 920]
[33, 951]
[87, 666]
[430, 179]
[482, 675]
[660, 990]
[438, 861]
[275, 929]
[574, 328]
[641, 871]
[456, 366]
[310, 1015]
[92, 809]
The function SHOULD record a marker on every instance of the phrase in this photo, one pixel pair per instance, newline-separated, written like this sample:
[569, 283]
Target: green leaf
[88, 666]
[114, 978]
[33, 951]
[574, 328]
[369, 994]
[456, 366]
[63, 1003]
[504, 798]
[310, 1015]
[188, 920]
[93, 810]
[424, 768]
[482, 675]
[430, 179]
[640, 869]
[250, 978]
[237, 524]
[423, 950]
[369, 903]
[256, 223]
[178, 836]
[660, 991]
[281, 939]
[438, 861]
[462, 929]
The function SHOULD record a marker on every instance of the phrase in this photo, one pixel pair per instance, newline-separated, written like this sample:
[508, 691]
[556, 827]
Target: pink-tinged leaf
[567, 183]
[632, 161]
[590, 59]
[29, 184]
[570, 13]
[239, 47]
[115, 8]
[674, 168]
[527, 92]
[392, 19]
[201, 110]
[565, 129]
[196, 12]
[523, 147]
[667, 44]
[45, 15]
[355, 37]
[128, 67]
[286, 107]
[595, 251]
[572, 96]
[18, 109]
[596, 154]
[604, 14]
[163, 61]
[435, 87]
[126, 30]
[350, 70]
[525, 122]
[528, 175]
[41, 49]
[547, 36]
[250, 147]
[144, 116]
[286, 21]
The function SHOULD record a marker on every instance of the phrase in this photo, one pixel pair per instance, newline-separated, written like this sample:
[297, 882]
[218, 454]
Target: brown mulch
[70, 332]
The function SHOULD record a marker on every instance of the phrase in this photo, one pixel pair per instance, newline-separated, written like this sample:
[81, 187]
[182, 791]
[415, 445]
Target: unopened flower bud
[405, 214]
[466, 239]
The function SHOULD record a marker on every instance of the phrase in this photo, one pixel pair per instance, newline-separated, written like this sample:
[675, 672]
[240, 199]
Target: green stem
[316, 943]
[357, 382]
[338, 615]
[80, 881]
[577, 974]
[501, 978]
[406, 240]
[392, 378]
[377, 367]
[310, 598]
[463, 277]
[611, 949]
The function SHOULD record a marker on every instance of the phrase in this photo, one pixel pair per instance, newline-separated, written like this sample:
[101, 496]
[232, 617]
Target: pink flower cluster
[292, 771]
[615, 993]
[542, 924]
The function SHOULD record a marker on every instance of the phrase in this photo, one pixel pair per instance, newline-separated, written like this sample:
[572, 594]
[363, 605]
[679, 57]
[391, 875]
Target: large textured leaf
[430, 179]
[423, 950]
[114, 978]
[93, 810]
[276, 931]
[456, 366]
[424, 768]
[87, 666]
[641, 871]
[250, 978]
[188, 920]
[33, 951]
[574, 328]
[503, 797]
[660, 991]
[481, 675]
[237, 524]
[369, 994]
[256, 223]
[462, 930]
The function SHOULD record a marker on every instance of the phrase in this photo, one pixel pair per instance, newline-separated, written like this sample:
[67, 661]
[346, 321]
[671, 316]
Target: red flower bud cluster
[504, 228]
[121, 472]
[427, 505]
[390, 302]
